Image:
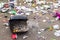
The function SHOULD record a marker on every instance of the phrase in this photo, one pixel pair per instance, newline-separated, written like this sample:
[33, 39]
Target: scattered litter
[50, 28]
[34, 7]
[44, 20]
[57, 33]
[39, 32]
[7, 27]
[27, 13]
[6, 24]
[56, 26]
[24, 37]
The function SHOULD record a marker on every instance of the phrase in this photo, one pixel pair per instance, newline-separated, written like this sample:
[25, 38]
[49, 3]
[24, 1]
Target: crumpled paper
[57, 33]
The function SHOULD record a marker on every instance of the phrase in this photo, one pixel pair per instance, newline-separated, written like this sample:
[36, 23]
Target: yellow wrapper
[33, 5]
[50, 29]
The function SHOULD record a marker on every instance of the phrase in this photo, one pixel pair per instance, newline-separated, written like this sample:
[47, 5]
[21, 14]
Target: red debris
[6, 5]
[14, 36]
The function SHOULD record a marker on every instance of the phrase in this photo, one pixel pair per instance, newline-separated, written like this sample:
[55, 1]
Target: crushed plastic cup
[56, 26]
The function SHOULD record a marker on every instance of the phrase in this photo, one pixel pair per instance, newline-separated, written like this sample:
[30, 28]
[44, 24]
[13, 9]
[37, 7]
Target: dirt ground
[32, 34]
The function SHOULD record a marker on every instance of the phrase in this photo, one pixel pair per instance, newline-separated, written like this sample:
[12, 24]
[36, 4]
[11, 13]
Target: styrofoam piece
[39, 32]
[28, 0]
[57, 33]
[24, 37]
[42, 30]
[56, 26]
[41, 8]
[39, 2]
[27, 13]
[44, 20]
